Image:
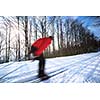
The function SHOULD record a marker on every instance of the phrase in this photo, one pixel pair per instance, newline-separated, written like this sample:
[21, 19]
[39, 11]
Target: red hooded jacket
[41, 44]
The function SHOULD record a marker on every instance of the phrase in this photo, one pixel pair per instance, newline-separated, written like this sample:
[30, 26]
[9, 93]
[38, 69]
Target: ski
[51, 74]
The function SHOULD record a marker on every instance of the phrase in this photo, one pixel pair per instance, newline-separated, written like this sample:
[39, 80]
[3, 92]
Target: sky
[89, 21]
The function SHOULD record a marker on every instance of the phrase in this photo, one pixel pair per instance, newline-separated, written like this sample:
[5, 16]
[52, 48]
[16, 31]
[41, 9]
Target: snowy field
[84, 68]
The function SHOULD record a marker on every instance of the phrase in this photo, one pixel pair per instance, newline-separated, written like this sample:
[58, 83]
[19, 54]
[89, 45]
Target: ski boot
[43, 76]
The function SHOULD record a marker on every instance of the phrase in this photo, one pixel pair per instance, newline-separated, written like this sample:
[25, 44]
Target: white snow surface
[83, 68]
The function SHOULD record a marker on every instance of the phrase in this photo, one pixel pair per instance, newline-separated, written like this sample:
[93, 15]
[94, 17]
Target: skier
[37, 49]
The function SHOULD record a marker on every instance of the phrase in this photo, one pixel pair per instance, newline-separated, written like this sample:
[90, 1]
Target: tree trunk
[53, 43]
[16, 50]
[35, 27]
[30, 35]
[58, 35]
[61, 37]
[6, 44]
[9, 42]
[45, 25]
[26, 38]
[18, 40]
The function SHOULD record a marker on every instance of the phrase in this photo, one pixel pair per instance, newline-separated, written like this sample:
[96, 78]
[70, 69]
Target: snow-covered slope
[73, 69]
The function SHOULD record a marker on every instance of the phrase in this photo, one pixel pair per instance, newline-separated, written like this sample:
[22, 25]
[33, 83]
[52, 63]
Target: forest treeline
[17, 33]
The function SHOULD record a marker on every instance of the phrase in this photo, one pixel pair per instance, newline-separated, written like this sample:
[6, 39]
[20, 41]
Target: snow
[83, 68]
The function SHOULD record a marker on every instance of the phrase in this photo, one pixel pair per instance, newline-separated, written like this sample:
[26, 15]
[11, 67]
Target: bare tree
[58, 34]
[26, 37]
[6, 43]
[30, 36]
[53, 33]
[35, 27]
[18, 36]
[69, 34]
[9, 41]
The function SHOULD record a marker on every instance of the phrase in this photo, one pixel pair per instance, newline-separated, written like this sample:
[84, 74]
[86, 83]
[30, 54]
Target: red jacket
[41, 44]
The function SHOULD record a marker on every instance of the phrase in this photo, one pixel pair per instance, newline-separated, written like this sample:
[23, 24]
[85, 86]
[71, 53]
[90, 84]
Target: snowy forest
[71, 36]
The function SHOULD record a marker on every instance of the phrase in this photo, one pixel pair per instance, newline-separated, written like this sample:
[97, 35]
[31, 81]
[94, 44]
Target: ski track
[77, 73]
[68, 69]
[82, 68]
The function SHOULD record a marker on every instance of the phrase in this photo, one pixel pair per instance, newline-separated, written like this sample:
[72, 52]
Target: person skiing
[37, 49]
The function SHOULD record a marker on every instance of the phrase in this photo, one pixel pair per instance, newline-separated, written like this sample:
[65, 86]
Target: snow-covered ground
[84, 68]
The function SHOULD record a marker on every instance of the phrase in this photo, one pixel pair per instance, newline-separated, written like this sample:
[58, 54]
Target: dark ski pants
[41, 70]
